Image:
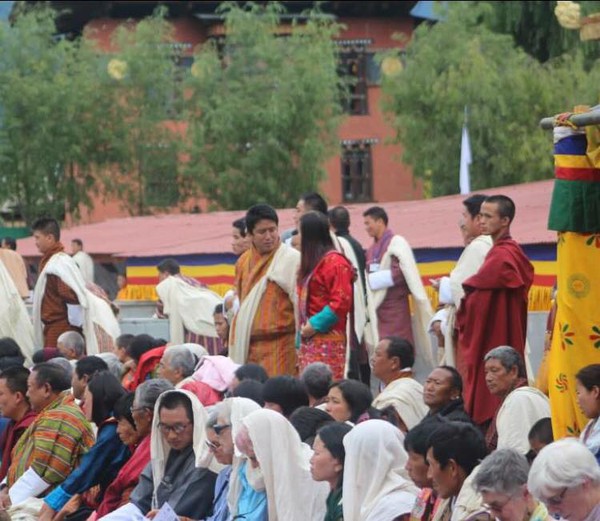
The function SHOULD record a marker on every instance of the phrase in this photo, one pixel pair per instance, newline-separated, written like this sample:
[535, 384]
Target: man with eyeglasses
[172, 475]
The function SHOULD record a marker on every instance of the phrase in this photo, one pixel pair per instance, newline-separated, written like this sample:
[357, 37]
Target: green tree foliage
[264, 108]
[461, 63]
[146, 99]
[50, 139]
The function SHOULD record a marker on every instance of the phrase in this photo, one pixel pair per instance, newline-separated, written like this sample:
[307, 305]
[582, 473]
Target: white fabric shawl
[423, 312]
[519, 411]
[188, 306]
[374, 473]
[86, 265]
[292, 494]
[14, 319]
[95, 310]
[240, 408]
[282, 271]
[406, 396]
[467, 265]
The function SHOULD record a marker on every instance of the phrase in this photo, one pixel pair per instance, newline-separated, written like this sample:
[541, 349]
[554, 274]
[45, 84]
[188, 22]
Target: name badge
[373, 267]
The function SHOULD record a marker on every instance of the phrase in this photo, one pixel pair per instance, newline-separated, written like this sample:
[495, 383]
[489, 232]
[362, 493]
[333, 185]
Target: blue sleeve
[108, 452]
[324, 320]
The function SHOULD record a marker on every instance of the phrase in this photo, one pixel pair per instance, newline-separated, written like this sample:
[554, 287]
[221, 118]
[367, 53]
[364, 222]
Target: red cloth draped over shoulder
[493, 312]
[148, 363]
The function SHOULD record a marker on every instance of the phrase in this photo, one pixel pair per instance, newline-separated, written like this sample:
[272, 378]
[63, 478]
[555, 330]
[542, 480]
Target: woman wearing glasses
[566, 478]
[502, 482]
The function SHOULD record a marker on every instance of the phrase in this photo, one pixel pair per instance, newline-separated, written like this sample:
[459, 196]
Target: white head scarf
[160, 449]
[284, 460]
[374, 470]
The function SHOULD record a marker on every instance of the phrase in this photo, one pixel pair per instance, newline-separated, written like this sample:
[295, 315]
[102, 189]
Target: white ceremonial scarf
[94, 309]
[86, 265]
[423, 312]
[282, 271]
[406, 396]
[14, 319]
[292, 494]
[240, 408]
[374, 471]
[188, 306]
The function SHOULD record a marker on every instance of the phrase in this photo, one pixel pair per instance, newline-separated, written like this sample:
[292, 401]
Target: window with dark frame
[353, 65]
[357, 171]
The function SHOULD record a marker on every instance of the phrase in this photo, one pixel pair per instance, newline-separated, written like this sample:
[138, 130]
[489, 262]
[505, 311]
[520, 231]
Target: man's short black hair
[417, 438]
[172, 400]
[10, 242]
[16, 379]
[506, 206]
[53, 375]
[339, 218]
[541, 430]
[459, 441]
[48, 226]
[376, 212]
[314, 201]
[473, 204]
[456, 379]
[402, 349]
[124, 341]
[89, 366]
[79, 242]
[251, 389]
[287, 392]
[170, 266]
[260, 212]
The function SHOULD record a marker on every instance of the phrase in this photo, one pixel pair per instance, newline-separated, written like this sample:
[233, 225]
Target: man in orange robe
[264, 328]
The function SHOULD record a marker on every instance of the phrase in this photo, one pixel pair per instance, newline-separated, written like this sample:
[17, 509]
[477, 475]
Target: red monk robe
[492, 313]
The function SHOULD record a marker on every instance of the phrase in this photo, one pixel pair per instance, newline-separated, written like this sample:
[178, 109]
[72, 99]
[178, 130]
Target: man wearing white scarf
[376, 485]
[61, 301]
[174, 475]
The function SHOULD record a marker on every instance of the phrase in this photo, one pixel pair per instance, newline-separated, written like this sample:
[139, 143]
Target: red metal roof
[431, 223]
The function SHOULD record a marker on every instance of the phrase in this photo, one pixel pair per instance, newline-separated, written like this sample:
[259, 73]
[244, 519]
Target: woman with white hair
[502, 482]
[566, 478]
[376, 487]
[281, 466]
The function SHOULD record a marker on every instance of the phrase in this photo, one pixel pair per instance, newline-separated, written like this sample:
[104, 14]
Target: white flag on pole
[465, 161]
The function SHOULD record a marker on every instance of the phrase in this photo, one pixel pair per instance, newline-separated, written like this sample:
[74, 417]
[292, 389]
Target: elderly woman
[502, 482]
[281, 467]
[566, 478]
[375, 487]
[587, 382]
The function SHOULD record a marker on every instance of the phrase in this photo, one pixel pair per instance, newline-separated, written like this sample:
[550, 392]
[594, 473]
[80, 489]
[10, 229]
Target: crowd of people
[323, 386]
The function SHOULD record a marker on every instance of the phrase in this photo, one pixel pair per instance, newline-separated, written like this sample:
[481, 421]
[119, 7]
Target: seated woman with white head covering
[178, 444]
[566, 478]
[375, 484]
[224, 420]
[281, 460]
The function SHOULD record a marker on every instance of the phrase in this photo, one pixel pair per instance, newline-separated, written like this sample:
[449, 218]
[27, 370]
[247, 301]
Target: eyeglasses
[220, 428]
[178, 428]
[135, 409]
[557, 499]
[497, 507]
[212, 446]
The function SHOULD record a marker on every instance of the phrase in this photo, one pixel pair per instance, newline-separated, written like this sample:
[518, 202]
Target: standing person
[264, 328]
[325, 295]
[239, 243]
[83, 260]
[189, 306]
[15, 266]
[392, 277]
[493, 311]
[450, 288]
[222, 328]
[15, 406]
[61, 301]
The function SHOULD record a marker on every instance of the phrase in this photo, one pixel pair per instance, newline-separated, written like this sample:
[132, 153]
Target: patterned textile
[575, 214]
[323, 348]
[54, 443]
[274, 327]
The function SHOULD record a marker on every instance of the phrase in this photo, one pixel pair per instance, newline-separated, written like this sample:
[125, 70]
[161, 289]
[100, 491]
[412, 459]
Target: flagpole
[465, 158]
